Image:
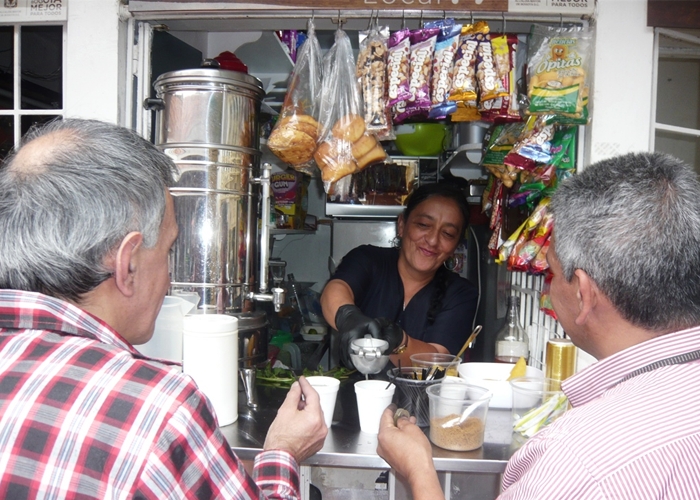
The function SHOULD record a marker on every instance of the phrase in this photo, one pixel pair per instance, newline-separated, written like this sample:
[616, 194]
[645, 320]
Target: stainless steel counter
[346, 446]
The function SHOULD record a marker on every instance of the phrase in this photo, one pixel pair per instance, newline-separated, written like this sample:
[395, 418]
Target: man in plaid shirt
[86, 225]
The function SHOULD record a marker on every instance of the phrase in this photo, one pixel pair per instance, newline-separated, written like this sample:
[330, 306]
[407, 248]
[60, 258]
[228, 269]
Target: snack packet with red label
[546, 297]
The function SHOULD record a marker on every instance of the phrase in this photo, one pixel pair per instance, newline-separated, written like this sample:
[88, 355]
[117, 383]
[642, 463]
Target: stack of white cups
[210, 357]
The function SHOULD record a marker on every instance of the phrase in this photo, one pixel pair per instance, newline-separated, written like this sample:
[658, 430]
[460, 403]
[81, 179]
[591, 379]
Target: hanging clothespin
[504, 22]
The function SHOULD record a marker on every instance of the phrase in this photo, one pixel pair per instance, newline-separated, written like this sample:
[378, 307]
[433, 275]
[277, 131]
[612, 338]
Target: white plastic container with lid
[166, 342]
[210, 357]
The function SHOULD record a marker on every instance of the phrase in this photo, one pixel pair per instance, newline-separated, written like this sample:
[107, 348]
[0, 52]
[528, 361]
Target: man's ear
[586, 295]
[126, 262]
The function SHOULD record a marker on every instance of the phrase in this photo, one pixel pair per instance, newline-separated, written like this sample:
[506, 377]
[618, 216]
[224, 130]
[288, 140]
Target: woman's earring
[396, 242]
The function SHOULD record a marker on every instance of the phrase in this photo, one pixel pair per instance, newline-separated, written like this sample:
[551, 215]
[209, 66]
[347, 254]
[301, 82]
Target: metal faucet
[278, 295]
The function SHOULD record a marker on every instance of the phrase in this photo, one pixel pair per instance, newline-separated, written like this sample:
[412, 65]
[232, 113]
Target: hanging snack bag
[422, 50]
[398, 66]
[504, 108]
[346, 145]
[464, 87]
[372, 77]
[443, 62]
[559, 63]
[293, 139]
[534, 145]
[490, 85]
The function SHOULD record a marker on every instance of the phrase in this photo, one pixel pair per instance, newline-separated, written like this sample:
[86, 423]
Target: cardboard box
[290, 189]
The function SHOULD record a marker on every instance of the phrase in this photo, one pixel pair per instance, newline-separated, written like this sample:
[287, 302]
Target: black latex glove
[391, 332]
[353, 325]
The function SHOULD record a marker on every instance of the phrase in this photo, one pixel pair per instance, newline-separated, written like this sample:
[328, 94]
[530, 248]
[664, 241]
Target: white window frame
[17, 112]
[655, 126]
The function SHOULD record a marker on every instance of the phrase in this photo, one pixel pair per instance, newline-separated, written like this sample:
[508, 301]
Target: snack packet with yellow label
[559, 70]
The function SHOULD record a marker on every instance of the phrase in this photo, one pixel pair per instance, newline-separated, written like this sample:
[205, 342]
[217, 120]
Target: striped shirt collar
[35, 311]
[593, 381]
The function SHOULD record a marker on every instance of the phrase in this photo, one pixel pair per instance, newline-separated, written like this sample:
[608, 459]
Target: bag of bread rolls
[345, 146]
[294, 137]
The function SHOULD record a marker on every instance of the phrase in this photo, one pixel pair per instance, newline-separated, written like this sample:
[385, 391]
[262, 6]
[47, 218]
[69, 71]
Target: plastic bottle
[511, 341]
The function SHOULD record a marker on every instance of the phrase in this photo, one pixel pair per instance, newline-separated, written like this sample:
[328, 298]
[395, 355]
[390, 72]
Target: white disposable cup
[373, 396]
[210, 357]
[327, 388]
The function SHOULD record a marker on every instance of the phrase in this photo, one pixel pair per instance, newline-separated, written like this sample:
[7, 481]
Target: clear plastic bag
[372, 78]
[296, 133]
[346, 145]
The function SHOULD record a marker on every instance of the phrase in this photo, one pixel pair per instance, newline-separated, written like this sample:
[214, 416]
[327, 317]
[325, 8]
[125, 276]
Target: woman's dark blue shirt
[373, 275]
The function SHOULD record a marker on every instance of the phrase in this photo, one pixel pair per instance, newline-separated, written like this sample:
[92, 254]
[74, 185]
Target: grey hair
[63, 214]
[632, 223]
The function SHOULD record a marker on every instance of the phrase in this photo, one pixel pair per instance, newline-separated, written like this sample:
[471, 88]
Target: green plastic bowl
[422, 139]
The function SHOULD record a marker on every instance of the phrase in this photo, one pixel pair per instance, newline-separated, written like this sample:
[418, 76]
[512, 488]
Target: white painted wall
[622, 80]
[93, 70]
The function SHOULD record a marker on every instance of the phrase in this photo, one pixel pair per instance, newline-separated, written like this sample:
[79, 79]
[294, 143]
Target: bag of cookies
[293, 139]
[346, 145]
[558, 70]
[372, 77]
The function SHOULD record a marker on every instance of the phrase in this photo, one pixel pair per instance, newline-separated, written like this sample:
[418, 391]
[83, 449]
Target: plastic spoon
[471, 339]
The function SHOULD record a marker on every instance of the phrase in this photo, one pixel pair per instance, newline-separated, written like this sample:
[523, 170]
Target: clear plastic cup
[373, 396]
[327, 388]
[458, 415]
[537, 402]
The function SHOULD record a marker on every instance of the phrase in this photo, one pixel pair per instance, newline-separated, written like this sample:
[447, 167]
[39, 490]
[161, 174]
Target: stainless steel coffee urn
[207, 122]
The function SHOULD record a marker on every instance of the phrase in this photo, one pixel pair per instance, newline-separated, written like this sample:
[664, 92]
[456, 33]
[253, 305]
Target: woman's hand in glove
[391, 332]
[353, 325]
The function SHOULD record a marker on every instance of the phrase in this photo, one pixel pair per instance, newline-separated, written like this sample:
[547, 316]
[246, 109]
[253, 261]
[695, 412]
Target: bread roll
[363, 145]
[375, 155]
[350, 127]
[291, 146]
[337, 169]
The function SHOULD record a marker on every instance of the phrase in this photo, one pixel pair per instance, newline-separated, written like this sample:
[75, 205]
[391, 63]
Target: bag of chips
[559, 62]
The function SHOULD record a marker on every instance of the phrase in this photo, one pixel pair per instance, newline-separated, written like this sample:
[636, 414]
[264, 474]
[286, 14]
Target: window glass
[7, 68]
[7, 138]
[42, 67]
[29, 120]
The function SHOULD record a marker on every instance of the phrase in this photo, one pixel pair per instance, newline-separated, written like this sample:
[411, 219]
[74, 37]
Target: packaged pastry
[293, 139]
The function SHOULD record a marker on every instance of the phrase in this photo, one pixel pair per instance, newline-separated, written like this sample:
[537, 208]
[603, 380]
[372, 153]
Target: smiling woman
[405, 295]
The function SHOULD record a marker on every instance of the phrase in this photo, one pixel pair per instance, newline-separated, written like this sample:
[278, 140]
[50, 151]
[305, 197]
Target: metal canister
[560, 361]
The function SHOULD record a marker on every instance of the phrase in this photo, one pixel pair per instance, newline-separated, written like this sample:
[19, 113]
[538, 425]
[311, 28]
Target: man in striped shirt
[625, 263]
[86, 225]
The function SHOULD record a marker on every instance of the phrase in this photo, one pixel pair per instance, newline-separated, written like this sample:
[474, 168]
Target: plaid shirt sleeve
[193, 460]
